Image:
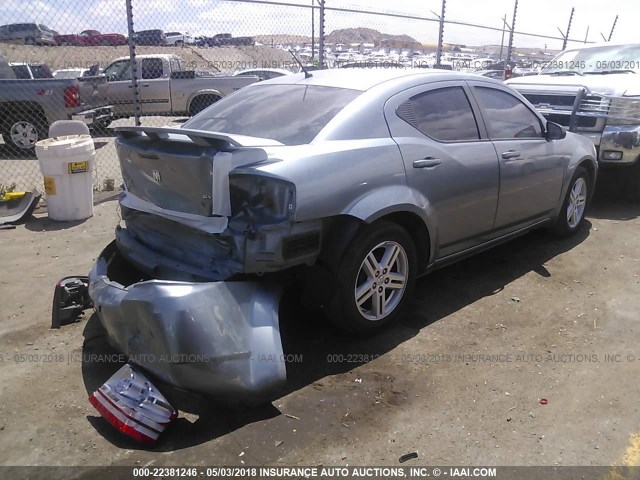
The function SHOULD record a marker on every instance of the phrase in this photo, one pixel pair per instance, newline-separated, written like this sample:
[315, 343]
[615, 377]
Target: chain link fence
[157, 62]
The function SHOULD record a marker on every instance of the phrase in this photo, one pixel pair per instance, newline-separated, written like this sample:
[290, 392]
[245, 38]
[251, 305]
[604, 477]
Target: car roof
[366, 78]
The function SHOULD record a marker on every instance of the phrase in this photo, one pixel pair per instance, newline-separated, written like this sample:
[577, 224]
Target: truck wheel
[574, 206]
[201, 102]
[24, 131]
[374, 279]
[29, 41]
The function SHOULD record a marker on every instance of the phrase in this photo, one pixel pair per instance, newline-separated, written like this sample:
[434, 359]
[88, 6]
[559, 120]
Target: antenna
[306, 73]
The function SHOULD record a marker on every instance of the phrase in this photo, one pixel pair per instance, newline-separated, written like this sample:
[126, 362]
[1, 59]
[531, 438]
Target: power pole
[313, 30]
[513, 28]
[587, 35]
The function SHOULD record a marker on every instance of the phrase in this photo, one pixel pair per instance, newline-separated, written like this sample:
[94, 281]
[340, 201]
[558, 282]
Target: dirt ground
[459, 381]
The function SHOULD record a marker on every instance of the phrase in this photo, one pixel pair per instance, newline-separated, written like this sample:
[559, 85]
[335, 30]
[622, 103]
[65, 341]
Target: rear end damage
[180, 290]
[217, 338]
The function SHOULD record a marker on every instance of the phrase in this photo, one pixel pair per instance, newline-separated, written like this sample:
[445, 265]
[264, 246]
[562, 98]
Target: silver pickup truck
[29, 106]
[594, 90]
[165, 86]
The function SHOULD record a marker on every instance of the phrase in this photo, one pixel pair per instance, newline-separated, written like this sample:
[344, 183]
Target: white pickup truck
[594, 90]
[165, 86]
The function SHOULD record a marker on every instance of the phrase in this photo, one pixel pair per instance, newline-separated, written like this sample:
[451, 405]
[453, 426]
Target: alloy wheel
[577, 202]
[381, 280]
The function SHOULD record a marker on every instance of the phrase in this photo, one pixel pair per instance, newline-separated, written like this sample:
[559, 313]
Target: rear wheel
[374, 279]
[29, 41]
[575, 204]
[179, 43]
[201, 102]
[23, 131]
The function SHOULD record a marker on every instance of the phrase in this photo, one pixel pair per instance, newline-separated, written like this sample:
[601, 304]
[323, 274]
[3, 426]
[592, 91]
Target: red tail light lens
[72, 96]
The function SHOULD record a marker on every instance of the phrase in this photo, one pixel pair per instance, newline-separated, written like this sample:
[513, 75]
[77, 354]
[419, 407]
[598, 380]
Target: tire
[106, 43]
[179, 43]
[201, 102]
[29, 41]
[366, 284]
[575, 205]
[23, 131]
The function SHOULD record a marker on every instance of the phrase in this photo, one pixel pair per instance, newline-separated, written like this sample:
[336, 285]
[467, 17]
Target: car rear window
[290, 114]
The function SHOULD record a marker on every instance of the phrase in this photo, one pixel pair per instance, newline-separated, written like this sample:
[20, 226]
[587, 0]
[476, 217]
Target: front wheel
[575, 204]
[374, 279]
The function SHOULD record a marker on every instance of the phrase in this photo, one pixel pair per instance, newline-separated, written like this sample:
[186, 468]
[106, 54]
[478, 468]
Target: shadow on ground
[306, 334]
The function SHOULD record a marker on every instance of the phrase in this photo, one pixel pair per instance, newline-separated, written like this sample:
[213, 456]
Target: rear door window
[151, 68]
[444, 114]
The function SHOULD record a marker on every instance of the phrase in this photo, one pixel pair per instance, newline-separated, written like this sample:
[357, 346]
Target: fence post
[613, 27]
[513, 27]
[321, 36]
[134, 69]
[566, 35]
[313, 30]
[440, 34]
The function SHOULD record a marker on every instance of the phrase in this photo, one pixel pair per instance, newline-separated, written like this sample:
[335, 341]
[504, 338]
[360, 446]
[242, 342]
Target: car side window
[506, 116]
[174, 64]
[151, 68]
[444, 114]
[118, 71]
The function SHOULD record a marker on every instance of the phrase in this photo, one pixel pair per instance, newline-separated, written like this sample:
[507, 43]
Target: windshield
[290, 114]
[596, 60]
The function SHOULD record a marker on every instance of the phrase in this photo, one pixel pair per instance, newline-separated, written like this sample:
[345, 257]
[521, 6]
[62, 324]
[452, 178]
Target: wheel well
[342, 229]
[201, 97]
[413, 224]
[588, 166]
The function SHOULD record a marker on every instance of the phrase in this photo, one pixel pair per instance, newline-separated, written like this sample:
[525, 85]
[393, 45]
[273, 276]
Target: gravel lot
[459, 381]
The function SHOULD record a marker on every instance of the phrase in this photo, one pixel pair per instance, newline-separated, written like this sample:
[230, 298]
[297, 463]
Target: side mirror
[555, 131]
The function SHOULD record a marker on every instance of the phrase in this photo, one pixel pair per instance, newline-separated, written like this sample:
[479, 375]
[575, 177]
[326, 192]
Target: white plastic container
[67, 164]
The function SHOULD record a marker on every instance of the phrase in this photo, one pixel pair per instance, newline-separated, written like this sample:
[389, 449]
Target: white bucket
[67, 164]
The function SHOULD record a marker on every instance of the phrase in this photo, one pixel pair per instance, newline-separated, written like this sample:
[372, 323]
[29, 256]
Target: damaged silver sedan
[353, 181]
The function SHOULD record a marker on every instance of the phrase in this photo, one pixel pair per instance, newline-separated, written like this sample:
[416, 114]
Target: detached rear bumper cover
[217, 338]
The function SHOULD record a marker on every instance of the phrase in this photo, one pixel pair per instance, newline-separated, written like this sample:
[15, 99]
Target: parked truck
[165, 86]
[594, 90]
[29, 106]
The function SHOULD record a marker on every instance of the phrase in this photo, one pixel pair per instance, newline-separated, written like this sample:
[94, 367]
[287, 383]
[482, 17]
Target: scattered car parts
[16, 206]
[133, 405]
[70, 299]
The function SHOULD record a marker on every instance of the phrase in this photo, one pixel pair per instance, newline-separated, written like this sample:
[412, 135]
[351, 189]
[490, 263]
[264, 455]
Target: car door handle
[510, 154]
[428, 162]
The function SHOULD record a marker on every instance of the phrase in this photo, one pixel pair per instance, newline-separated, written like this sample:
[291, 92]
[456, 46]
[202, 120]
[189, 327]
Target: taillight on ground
[130, 402]
[72, 96]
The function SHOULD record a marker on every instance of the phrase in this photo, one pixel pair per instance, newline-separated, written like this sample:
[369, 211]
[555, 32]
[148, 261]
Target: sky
[241, 18]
